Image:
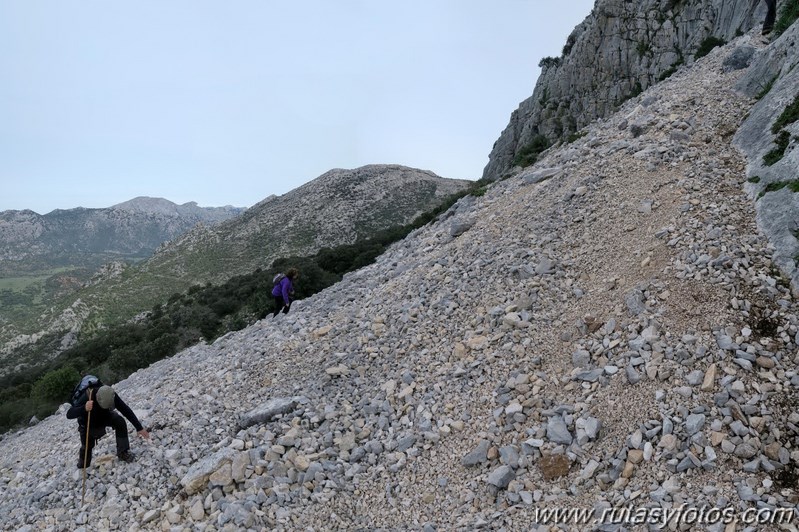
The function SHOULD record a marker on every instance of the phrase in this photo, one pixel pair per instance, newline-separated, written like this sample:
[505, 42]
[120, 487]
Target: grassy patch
[766, 88]
[18, 284]
[671, 70]
[576, 136]
[544, 98]
[788, 116]
[788, 15]
[779, 185]
[754, 179]
[707, 45]
[782, 141]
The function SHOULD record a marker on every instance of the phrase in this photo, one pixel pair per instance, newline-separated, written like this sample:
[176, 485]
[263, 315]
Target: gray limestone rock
[773, 77]
[462, 225]
[745, 450]
[557, 431]
[694, 423]
[478, 455]
[501, 476]
[538, 175]
[592, 426]
[633, 377]
[545, 267]
[581, 358]
[739, 58]
[508, 455]
[590, 376]
[270, 410]
[635, 302]
[197, 476]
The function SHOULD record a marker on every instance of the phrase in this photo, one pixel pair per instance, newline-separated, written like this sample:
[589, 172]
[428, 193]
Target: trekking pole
[86, 450]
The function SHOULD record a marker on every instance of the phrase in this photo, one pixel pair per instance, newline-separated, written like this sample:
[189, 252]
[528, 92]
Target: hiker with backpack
[93, 404]
[283, 290]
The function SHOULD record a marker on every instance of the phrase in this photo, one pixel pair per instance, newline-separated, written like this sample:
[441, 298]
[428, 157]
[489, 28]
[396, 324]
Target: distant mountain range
[90, 237]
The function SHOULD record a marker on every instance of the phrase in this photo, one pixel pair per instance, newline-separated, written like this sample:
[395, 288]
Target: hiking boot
[126, 456]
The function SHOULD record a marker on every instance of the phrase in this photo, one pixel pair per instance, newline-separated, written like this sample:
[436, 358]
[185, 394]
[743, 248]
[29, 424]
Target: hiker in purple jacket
[283, 292]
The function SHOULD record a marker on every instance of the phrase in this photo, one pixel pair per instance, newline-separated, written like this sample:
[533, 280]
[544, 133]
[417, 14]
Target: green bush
[529, 154]
[707, 45]
[674, 66]
[16, 411]
[782, 141]
[56, 385]
[549, 62]
[567, 48]
[575, 136]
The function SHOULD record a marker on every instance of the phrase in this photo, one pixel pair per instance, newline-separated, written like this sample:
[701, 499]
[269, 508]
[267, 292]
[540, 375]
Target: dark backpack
[279, 277]
[88, 381]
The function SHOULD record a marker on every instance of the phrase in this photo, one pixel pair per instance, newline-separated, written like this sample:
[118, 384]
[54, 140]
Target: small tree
[549, 62]
[56, 385]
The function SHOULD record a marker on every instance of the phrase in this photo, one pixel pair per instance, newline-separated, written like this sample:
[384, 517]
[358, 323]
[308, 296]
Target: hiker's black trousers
[97, 431]
[771, 15]
[281, 305]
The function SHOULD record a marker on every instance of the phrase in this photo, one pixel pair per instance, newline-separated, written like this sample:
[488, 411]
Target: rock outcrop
[620, 49]
[773, 77]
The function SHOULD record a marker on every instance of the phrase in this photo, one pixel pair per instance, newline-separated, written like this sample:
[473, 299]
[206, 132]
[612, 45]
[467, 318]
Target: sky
[226, 103]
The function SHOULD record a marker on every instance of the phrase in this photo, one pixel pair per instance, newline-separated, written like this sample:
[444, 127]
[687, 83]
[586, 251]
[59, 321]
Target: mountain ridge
[161, 205]
[317, 223]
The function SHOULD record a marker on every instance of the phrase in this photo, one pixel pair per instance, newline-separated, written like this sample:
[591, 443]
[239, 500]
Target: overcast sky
[225, 103]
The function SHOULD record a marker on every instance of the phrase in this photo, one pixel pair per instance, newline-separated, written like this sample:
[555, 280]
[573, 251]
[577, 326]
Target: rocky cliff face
[773, 77]
[620, 49]
[134, 228]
